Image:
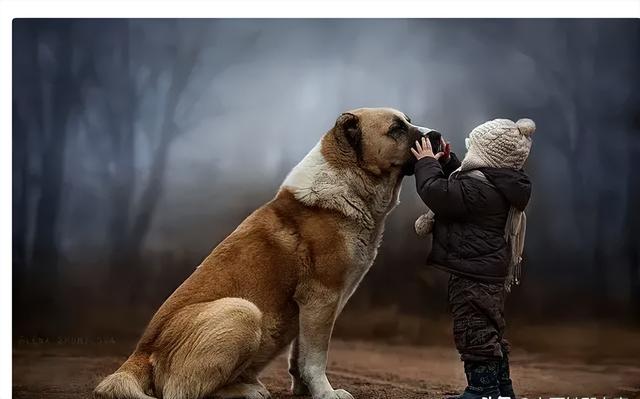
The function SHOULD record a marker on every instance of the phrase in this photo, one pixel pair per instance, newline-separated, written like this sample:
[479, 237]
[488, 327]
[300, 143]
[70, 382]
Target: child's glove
[424, 224]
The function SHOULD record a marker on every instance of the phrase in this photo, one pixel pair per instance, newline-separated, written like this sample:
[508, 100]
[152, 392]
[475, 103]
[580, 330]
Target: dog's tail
[131, 381]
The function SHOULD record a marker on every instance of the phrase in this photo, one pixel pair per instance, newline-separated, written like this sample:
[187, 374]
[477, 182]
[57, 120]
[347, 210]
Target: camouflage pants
[478, 318]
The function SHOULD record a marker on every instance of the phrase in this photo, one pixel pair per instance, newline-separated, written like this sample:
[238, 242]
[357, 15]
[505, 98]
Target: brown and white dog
[282, 277]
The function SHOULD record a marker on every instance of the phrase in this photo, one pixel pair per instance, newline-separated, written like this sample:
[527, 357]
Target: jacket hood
[514, 184]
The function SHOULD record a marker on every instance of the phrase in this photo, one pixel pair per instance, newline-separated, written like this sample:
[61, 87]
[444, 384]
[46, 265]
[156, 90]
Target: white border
[10, 9]
[321, 8]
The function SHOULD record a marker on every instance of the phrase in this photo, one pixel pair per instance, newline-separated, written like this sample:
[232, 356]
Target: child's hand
[447, 150]
[424, 150]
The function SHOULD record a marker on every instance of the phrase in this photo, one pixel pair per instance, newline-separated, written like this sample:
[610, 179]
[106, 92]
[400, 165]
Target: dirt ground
[65, 370]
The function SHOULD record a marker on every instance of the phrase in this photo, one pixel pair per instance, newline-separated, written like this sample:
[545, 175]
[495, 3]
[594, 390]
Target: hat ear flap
[526, 127]
[348, 129]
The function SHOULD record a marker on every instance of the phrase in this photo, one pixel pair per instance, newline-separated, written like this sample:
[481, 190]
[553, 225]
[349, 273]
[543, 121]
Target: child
[473, 201]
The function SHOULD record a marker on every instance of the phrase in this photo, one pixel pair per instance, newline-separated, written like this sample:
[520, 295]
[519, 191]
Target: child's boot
[504, 379]
[482, 380]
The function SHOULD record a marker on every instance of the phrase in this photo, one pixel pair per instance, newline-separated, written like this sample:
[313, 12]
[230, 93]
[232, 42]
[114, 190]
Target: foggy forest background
[138, 145]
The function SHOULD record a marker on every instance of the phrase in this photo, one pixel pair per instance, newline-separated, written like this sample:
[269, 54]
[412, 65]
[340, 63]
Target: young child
[472, 201]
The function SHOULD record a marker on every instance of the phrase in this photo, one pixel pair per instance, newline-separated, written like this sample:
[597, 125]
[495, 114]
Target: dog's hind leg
[246, 385]
[207, 346]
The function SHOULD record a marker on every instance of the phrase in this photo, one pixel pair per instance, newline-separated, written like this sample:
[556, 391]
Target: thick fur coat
[281, 278]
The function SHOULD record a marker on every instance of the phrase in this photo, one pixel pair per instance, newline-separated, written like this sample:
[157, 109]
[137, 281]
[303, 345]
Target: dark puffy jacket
[468, 234]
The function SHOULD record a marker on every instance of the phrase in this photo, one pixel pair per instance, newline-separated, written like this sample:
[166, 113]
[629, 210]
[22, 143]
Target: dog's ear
[348, 129]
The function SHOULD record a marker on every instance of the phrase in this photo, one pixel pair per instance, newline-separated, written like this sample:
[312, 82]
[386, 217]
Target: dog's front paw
[299, 388]
[336, 394]
[342, 394]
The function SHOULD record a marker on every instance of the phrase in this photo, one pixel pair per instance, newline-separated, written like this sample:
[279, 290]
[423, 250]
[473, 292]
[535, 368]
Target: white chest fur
[363, 245]
[314, 182]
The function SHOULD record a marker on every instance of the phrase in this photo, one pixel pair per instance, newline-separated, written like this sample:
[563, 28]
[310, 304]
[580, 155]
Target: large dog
[282, 277]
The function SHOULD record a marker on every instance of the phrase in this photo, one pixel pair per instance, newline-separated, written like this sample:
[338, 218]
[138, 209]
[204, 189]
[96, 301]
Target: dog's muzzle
[424, 131]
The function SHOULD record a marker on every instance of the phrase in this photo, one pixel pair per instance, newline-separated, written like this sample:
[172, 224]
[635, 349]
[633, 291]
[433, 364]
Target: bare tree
[632, 233]
[41, 115]
[125, 93]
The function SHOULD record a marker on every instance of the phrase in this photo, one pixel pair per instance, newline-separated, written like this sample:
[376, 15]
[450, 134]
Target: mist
[138, 145]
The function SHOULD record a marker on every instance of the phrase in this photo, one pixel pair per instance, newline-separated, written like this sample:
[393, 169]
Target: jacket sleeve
[442, 196]
[452, 164]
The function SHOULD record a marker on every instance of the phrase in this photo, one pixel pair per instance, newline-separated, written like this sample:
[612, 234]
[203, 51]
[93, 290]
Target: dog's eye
[397, 131]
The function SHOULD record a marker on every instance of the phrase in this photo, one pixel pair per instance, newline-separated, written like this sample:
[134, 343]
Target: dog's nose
[424, 130]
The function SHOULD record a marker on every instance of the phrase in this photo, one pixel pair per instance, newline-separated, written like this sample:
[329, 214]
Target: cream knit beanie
[499, 143]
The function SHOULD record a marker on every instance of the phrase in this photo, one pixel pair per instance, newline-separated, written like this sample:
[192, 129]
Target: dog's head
[378, 139]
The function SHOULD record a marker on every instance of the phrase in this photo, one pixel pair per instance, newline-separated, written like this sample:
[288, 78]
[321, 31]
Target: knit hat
[499, 143]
